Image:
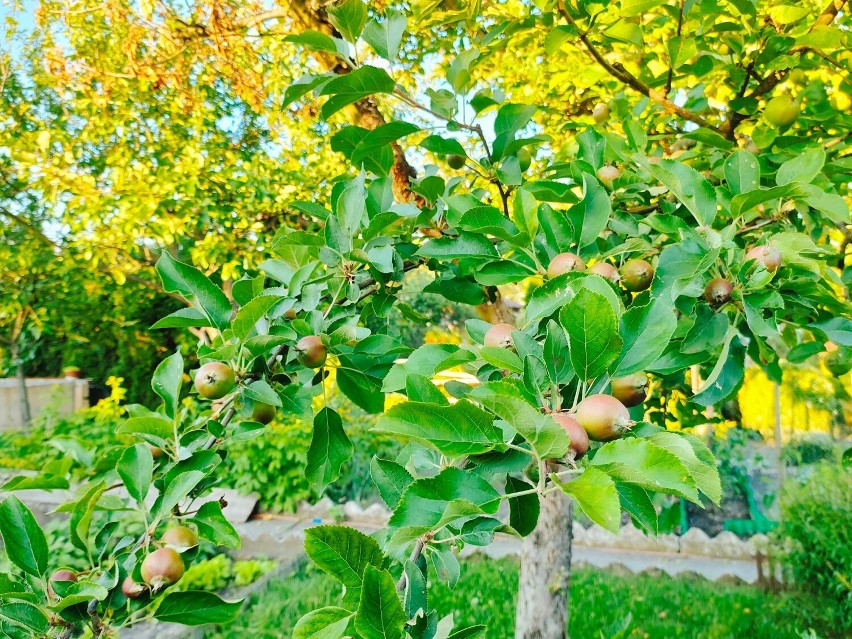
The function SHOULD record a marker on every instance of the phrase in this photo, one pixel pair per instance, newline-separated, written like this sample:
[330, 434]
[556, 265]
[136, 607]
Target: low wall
[58, 396]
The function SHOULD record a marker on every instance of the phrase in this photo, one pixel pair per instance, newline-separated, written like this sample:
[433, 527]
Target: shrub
[808, 450]
[816, 526]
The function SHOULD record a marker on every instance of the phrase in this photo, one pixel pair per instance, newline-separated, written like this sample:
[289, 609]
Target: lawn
[658, 607]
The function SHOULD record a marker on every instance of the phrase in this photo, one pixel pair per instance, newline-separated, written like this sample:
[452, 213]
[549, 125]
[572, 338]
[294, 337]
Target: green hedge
[816, 531]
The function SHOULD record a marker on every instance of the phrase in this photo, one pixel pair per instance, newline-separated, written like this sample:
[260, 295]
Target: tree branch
[618, 71]
[768, 83]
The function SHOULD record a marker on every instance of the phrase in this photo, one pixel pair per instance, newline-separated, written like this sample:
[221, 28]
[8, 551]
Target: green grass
[660, 607]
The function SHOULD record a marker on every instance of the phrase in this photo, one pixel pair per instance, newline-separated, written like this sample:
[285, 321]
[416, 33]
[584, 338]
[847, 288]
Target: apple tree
[664, 242]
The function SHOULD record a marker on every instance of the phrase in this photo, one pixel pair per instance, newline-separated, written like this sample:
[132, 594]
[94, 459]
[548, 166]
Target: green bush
[808, 450]
[816, 529]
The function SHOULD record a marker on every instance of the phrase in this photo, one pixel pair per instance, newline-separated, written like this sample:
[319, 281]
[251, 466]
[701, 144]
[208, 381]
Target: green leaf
[260, 391]
[415, 599]
[214, 527]
[524, 509]
[158, 427]
[250, 314]
[467, 244]
[386, 36]
[592, 333]
[325, 623]
[391, 479]
[742, 172]
[490, 221]
[363, 390]
[549, 297]
[353, 86]
[23, 539]
[636, 501]
[837, 330]
[136, 468]
[557, 354]
[25, 615]
[197, 608]
[431, 503]
[648, 465]
[80, 521]
[167, 380]
[745, 202]
[595, 491]
[428, 360]
[454, 430]
[681, 49]
[802, 168]
[646, 332]
[380, 614]
[182, 479]
[318, 42]
[344, 553]
[726, 375]
[196, 287]
[183, 318]
[349, 18]
[546, 437]
[706, 476]
[690, 187]
[330, 449]
[592, 213]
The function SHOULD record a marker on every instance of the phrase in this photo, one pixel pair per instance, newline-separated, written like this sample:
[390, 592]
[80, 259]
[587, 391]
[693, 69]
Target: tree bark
[542, 611]
[24, 399]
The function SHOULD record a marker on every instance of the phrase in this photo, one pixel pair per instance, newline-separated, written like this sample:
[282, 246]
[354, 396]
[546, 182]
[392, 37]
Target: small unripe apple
[579, 437]
[290, 314]
[781, 111]
[603, 417]
[630, 390]
[214, 380]
[131, 589]
[718, 292]
[62, 575]
[312, 352]
[608, 174]
[600, 113]
[263, 413]
[605, 269]
[162, 568]
[456, 161]
[180, 538]
[769, 256]
[797, 76]
[636, 275]
[524, 158]
[156, 451]
[565, 263]
[838, 362]
[431, 231]
[499, 336]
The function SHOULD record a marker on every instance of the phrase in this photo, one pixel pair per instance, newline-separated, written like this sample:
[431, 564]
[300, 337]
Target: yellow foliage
[802, 394]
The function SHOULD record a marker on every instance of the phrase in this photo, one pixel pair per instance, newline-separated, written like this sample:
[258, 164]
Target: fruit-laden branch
[618, 71]
[768, 83]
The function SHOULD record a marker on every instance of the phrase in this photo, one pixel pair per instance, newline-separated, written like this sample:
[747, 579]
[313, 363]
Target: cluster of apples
[635, 275]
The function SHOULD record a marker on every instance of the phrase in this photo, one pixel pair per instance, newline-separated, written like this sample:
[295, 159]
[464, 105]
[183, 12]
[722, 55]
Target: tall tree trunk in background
[24, 399]
[542, 611]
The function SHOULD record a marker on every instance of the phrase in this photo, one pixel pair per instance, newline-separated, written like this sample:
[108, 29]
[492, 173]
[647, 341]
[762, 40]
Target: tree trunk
[22, 384]
[545, 573]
